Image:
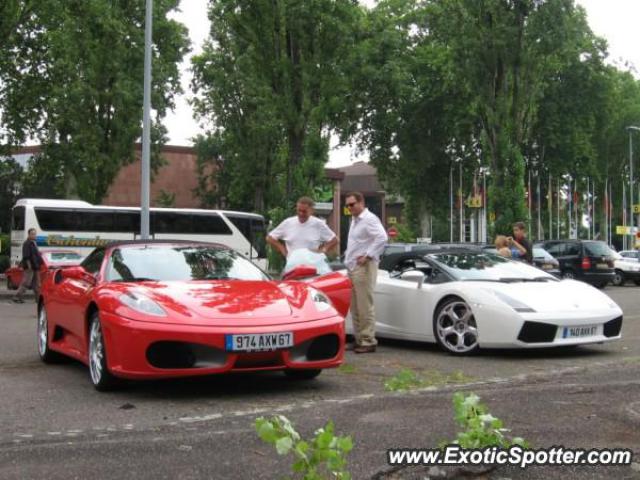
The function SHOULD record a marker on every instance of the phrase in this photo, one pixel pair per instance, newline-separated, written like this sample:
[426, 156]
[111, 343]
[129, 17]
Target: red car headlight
[320, 300]
[142, 304]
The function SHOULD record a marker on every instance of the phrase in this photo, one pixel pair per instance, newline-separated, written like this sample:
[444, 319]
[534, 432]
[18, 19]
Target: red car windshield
[179, 263]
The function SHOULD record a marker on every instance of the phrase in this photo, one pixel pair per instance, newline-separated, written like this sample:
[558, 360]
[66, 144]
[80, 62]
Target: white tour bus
[81, 226]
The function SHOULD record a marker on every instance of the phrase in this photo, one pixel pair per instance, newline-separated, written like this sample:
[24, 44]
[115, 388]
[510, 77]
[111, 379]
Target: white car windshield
[181, 263]
[483, 266]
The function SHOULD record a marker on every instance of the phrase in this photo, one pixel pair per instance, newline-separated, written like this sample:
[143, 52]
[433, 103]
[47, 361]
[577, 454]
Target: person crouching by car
[31, 262]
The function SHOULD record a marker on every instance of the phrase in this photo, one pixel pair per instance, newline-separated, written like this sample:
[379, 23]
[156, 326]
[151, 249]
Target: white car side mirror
[414, 276]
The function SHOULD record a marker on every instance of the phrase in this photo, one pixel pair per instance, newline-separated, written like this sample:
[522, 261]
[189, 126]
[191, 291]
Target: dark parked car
[588, 260]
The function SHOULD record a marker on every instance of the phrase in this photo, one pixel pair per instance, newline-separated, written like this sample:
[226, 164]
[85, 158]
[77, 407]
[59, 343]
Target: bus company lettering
[71, 241]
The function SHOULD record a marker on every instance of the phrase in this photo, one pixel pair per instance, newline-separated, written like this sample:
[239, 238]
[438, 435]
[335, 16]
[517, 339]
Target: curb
[8, 294]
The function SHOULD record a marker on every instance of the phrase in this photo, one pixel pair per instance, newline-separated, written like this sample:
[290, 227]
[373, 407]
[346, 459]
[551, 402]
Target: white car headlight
[517, 305]
[320, 300]
[142, 304]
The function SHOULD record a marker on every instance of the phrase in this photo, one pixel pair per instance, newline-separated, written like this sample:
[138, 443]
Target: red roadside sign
[392, 232]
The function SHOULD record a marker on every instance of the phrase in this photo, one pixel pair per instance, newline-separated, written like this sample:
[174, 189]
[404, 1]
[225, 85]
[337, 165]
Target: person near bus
[303, 230]
[31, 263]
[367, 238]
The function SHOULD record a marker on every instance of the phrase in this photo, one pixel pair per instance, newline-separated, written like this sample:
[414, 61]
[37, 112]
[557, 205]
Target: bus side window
[252, 228]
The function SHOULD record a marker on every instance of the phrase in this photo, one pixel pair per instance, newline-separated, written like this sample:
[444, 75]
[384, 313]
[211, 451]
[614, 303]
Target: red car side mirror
[301, 271]
[77, 273]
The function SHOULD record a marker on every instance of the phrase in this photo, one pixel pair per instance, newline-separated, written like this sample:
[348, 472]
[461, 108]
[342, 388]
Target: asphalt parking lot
[54, 424]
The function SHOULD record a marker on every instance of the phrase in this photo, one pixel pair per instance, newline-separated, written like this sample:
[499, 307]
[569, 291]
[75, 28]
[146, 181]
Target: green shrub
[321, 458]
[480, 428]
[407, 379]
[5, 247]
[4, 263]
[275, 261]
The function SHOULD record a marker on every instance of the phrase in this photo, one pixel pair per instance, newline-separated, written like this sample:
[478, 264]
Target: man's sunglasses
[349, 205]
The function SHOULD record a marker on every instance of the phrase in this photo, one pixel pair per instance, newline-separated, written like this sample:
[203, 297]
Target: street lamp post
[146, 126]
[631, 128]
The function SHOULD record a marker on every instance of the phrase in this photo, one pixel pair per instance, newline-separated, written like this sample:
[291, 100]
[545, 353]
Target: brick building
[178, 178]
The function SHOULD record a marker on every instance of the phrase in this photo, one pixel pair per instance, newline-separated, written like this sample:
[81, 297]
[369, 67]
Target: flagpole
[588, 213]
[529, 199]
[624, 215]
[461, 204]
[611, 211]
[538, 208]
[606, 209]
[558, 210]
[451, 203]
[570, 206]
[550, 207]
[593, 208]
[575, 207]
[484, 206]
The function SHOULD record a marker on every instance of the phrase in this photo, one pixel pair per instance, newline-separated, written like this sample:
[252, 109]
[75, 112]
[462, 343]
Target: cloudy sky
[615, 20]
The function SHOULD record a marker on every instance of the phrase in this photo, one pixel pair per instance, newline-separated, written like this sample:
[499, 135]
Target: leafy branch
[321, 458]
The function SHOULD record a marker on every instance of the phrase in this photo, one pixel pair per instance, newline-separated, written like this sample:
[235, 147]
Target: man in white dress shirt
[367, 238]
[302, 231]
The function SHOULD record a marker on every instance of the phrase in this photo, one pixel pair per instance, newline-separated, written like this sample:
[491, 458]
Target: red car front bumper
[139, 350]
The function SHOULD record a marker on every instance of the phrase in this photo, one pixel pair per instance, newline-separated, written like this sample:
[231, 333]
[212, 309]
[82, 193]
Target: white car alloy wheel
[455, 327]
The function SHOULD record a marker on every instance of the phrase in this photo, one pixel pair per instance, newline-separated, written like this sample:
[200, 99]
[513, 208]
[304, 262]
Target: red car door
[67, 306]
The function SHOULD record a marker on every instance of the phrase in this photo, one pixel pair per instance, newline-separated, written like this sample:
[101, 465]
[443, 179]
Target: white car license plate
[255, 342]
[579, 332]
[602, 265]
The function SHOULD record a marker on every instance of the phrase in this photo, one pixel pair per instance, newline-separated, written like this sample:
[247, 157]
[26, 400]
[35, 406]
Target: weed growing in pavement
[347, 368]
[321, 458]
[407, 379]
[480, 429]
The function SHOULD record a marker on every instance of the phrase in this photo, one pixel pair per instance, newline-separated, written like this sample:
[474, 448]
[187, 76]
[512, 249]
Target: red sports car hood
[227, 302]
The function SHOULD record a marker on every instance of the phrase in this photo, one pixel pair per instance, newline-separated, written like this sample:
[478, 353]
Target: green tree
[10, 187]
[271, 80]
[75, 85]
[504, 50]
[413, 112]
[449, 81]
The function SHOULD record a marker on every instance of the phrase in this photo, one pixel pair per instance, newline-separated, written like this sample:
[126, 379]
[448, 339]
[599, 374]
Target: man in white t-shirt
[302, 231]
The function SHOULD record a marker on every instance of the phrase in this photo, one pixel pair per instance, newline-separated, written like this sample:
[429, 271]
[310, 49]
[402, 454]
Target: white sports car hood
[547, 297]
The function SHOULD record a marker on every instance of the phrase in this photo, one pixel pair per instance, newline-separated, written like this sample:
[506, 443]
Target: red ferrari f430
[162, 309]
